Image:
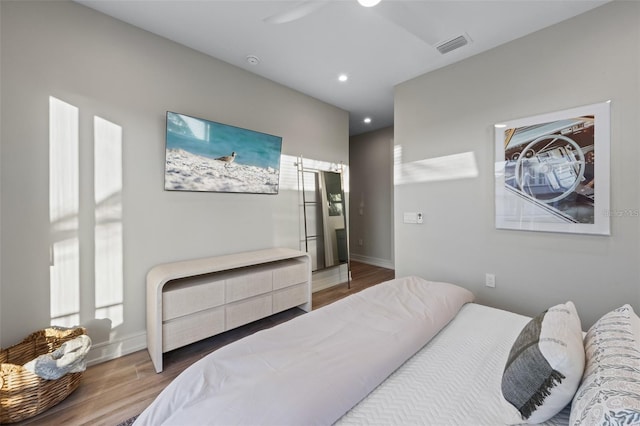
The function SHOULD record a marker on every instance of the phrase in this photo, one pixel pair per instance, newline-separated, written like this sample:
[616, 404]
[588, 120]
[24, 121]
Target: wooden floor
[114, 391]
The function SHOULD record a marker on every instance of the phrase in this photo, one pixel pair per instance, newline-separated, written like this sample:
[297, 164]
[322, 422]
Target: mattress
[453, 380]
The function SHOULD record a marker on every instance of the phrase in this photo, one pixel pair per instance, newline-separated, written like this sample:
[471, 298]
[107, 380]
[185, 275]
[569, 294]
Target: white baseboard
[107, 351]
[383, 263]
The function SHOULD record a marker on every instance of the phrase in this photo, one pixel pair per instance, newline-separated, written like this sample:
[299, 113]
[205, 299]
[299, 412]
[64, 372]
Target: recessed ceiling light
[367, 120]
[343, 77]
[368, 3]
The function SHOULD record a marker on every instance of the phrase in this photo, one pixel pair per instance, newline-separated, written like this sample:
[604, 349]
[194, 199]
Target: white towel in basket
[68, 358]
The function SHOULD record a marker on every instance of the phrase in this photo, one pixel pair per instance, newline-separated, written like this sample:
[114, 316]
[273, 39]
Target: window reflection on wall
[108, 221]
[86, 286]
[288, 172]
[63, 213]
[448, 167]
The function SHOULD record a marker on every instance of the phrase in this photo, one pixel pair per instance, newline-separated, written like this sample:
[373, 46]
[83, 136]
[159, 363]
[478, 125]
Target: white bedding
[314, 368]
[454, 380]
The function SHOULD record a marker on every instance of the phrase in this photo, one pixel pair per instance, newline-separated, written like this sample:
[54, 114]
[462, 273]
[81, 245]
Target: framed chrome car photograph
[552, 171]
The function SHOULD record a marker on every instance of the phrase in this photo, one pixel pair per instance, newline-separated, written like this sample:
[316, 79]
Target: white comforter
[454, 380]
[314, 368]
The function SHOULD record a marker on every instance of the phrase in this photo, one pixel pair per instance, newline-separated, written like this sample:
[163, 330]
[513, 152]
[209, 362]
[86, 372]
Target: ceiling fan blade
[300, 10]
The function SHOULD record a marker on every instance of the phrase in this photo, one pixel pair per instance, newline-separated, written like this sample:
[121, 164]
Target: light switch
[413, 217]
[490, 280]
[410, 217]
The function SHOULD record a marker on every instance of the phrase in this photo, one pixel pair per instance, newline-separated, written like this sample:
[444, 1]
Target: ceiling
[376, 47]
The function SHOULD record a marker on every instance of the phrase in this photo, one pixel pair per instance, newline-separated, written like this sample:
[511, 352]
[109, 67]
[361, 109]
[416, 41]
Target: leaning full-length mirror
[325, 221]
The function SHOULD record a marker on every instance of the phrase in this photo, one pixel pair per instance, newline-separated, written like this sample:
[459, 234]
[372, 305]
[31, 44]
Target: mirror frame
[327, 205]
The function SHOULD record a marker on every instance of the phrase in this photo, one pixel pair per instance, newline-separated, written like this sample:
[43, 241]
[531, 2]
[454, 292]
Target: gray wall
[130, 77]
[371, 197]
[589, 59]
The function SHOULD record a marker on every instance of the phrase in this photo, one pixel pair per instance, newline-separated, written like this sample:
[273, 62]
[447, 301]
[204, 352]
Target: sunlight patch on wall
[63, 213]
[288, 173]
[325, 166]
[109, 275]
[97, 305]
[65, 283]
[290, 168]
[449, 167]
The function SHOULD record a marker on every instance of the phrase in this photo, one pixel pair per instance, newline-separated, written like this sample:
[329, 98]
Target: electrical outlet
[490, 280]
[360, 242]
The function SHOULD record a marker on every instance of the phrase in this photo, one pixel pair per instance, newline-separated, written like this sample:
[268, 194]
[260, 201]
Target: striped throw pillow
[545, 364]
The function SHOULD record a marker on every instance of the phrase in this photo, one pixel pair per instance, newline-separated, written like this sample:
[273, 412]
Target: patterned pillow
[545, 364]
[610, 389]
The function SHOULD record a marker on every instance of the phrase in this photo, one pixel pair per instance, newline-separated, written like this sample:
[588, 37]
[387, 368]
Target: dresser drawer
[191, 328]
[246, 311]
[190, 296]
[249, 284]
[292, 272]
[290, 297]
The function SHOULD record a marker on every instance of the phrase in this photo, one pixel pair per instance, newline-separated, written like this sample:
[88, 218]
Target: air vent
[453, 44]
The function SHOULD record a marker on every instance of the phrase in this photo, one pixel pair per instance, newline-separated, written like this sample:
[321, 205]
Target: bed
[467, 358]
[410, 351]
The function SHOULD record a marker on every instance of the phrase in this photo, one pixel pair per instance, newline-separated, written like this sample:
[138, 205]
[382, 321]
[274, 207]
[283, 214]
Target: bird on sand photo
[227, 159]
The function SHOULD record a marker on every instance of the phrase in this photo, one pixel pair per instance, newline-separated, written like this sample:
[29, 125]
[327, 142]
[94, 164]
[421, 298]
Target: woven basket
[22, 393]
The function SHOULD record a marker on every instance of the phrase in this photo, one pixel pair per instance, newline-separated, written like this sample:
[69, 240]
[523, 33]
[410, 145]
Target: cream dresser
[194, 299]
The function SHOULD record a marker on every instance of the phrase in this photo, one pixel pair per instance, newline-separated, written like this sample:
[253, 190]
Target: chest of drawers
[191, 300]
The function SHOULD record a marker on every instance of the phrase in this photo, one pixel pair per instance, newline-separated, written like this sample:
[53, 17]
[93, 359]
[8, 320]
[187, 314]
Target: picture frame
[552, 171]
[206, 156]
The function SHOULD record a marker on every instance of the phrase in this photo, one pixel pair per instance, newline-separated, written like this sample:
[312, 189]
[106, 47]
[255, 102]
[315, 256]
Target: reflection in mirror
[325, 222]
[336, 220]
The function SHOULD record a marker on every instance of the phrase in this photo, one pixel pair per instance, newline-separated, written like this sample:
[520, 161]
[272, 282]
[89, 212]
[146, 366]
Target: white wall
[130, 77]
[591, 58]
[371, 197]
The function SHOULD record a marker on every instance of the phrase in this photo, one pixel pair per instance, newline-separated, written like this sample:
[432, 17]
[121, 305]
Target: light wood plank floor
[116, 390]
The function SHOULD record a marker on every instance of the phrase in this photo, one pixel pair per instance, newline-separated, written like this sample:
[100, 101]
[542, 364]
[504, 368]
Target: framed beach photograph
[552, 171]
[203, 155]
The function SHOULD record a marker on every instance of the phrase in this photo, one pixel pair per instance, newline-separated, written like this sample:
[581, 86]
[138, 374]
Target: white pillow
[545, 364]
[610, 388]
